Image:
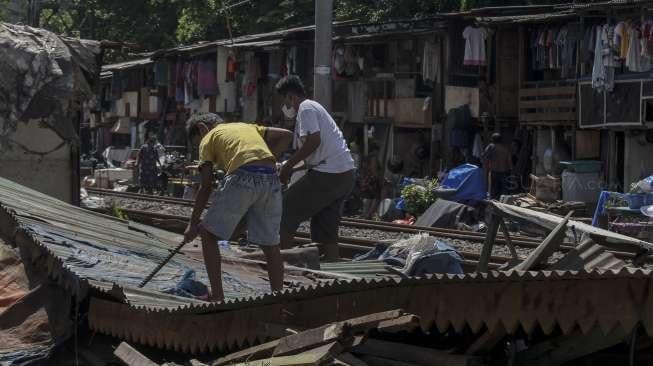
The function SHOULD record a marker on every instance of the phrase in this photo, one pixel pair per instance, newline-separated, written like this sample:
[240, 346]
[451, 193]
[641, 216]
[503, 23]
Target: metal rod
[163, 263]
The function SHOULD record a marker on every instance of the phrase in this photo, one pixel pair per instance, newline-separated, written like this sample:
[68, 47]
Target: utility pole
[322, 72]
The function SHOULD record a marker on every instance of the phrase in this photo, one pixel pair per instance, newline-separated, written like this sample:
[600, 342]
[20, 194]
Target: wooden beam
[406, 323]
[131, 357]
[315, 356]
[302, 340]
[327, 333]
[262, 350]
[410, 353]
[490, 237]
[506, 234]
[548, 246]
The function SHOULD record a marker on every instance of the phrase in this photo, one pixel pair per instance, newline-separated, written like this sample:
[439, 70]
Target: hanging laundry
[231, 69]
[161, 73]
[207, 82]
[475, 45]
[430, 62]
[602, 75]
[647, 39]
[634, 60]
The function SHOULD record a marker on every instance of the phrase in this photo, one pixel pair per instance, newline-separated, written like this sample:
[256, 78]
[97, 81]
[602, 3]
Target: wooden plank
[548, 91]
[315, 356]
[411, 354]
[544, 116]
[569, 347]
[548, 103]
[490, 237]
[131, 357]
[330, 332]
[506, 234]
[262, 350]
[406, 323]
[308, 339]
[548, 246]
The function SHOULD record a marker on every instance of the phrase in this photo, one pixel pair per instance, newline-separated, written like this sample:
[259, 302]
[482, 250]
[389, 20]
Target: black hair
[496, 137]
[291, 84]
[209, 119]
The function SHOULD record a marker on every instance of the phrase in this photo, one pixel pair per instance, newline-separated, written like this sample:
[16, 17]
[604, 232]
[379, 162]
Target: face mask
[289, 112]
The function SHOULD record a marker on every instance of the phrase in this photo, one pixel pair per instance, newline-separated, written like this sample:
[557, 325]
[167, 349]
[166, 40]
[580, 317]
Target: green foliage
[118, 212]
[154, 24]
[418, 198]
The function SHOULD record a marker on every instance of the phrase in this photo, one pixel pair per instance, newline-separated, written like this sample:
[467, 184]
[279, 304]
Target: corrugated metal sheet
[510, 301]
[87, 248]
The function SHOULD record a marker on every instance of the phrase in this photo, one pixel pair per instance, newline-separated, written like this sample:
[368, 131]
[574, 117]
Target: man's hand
[285, 173]
[191, 232]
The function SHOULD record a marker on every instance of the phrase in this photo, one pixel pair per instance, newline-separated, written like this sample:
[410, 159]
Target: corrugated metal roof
[127, 64]
[88, 248]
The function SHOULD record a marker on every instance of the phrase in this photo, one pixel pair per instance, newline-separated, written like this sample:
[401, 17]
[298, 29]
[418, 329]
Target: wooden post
[490, 237]
[506, 233]
[544, 250]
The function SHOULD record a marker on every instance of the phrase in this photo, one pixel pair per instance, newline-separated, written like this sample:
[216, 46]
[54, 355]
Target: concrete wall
[50, 173]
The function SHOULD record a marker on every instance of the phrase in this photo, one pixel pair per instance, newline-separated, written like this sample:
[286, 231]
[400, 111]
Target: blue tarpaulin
[468, 181]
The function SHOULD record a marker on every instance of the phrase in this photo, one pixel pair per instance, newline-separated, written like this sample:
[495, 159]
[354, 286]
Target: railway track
[346, 221]
[177, 223]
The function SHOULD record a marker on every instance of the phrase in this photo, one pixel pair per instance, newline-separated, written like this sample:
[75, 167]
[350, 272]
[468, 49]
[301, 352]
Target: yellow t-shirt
[231, 145]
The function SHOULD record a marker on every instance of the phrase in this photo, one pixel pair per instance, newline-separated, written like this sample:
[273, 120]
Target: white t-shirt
[332, 156]
[474, 45]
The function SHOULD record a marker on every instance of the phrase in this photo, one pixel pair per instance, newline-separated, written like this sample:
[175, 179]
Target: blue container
[636, 200]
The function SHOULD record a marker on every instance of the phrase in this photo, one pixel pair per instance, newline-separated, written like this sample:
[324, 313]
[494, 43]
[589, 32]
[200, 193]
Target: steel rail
[140, 196]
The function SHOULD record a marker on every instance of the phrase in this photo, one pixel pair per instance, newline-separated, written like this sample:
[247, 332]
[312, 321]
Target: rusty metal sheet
[496, 300]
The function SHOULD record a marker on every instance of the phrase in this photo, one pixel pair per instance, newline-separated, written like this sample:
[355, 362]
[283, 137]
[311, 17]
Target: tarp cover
[468, 181]
[33, 313]
[42, 77]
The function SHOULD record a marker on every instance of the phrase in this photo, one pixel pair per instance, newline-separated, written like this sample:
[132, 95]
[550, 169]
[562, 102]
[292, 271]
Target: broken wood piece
[405, 323]
[506, 234]
[131, 357]
[299, 341]
[410, 353]
[314, 356]
[262, 350]
[490, 237]
[547, 247]
[309, 338]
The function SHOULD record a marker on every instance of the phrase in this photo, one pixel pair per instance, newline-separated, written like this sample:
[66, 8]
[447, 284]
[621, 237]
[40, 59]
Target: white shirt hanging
[475, 45]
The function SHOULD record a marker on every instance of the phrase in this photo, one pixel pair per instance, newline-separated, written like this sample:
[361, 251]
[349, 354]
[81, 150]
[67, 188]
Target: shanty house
[45, 84]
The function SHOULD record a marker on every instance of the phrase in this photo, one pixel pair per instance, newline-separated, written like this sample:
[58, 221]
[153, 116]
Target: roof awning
[121, 126]
[272, 42]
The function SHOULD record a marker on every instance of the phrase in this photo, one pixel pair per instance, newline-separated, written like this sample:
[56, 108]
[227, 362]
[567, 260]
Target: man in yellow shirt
[247, 153]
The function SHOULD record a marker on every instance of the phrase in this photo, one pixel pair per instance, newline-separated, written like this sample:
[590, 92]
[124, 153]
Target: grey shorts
[251, 193]
[320, 197]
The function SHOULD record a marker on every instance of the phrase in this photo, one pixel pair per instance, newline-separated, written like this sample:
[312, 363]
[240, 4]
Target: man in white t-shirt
[320, 194]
